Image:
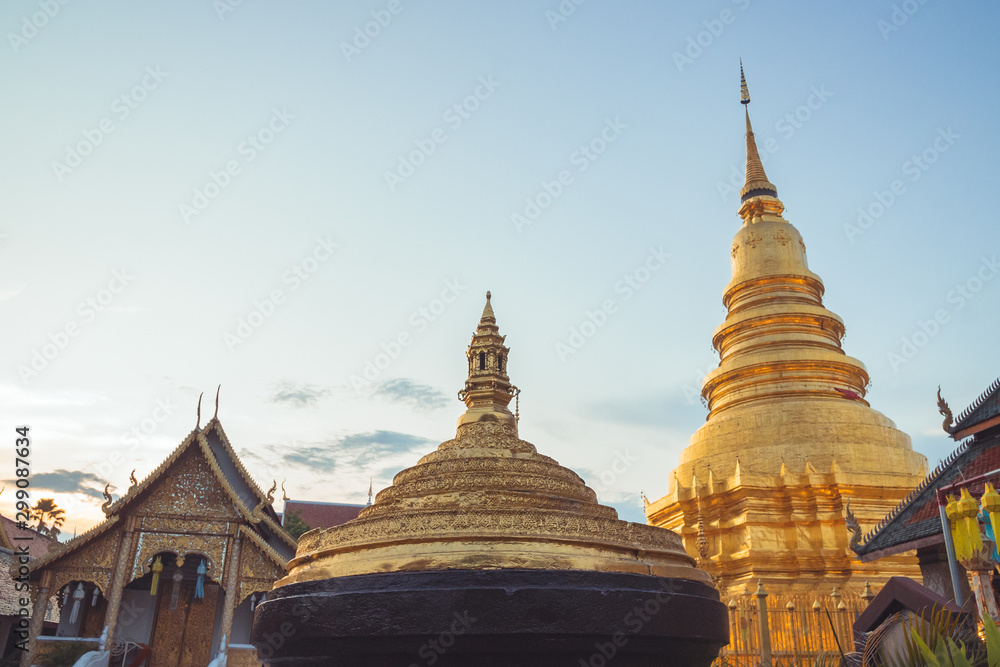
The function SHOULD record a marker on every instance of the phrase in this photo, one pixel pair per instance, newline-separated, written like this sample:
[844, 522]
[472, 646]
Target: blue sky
[170, 170]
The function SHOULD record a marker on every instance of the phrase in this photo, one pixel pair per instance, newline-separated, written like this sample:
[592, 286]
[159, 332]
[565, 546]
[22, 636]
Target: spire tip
[744, 91]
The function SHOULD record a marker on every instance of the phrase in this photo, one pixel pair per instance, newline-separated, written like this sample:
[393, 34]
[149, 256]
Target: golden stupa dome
[488, 500]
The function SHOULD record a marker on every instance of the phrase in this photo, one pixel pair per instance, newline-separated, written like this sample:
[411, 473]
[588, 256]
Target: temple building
[174, 571]
[16, 542]
[488, 553]
[915, 523]
[762, 490]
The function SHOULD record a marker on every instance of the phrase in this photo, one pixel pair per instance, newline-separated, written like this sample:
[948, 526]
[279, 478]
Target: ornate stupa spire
[488, 389]
[784, 397]
[486, 511]
[759, 196]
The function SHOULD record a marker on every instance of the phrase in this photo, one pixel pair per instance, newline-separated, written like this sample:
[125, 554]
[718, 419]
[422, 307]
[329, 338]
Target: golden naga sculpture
[853, 527]
[108, 500]
[257, 515]
[945, 412]
[488, 500]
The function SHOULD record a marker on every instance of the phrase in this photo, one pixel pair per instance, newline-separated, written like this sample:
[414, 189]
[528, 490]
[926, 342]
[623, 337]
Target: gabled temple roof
[246, 496]
[916, 521]
[982, 414]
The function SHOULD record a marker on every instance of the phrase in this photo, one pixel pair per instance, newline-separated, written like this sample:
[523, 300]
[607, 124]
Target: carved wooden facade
[199, 507]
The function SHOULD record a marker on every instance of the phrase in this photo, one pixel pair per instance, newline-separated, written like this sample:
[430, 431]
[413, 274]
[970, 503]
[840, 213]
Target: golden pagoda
[762, 490]
[489, 541]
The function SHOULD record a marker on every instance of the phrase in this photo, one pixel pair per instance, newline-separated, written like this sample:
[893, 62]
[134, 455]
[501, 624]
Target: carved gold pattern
[736, 246]
[258, 571]
[782, 237]
[475, 494]
[211, 547]
[242, 657]
[753, 239]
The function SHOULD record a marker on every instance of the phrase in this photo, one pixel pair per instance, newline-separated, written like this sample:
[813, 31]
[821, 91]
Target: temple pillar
[123, 564]
[232, 591]
[42, 593]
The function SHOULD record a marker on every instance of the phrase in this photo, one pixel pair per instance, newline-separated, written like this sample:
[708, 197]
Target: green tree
[294, 524]
[46, 509]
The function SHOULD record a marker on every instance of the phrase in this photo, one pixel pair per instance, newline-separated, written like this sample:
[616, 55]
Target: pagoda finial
[488, 390]
[756, 186]
[744, 91]
[371, 481]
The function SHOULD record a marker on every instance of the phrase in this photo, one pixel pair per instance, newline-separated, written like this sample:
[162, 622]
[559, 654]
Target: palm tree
[46, 508]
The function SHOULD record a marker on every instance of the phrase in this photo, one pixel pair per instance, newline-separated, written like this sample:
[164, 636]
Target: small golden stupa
[761, 492]
[486, 524]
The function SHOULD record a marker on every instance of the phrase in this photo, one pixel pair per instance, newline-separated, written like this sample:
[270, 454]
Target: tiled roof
[38, 544]
[917, 517]
[322, 515]
[984, 408]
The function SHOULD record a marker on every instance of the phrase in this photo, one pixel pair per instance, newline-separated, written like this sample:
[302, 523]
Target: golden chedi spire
[757, 188]
[488, 390]
[488, 500]
[785, 397]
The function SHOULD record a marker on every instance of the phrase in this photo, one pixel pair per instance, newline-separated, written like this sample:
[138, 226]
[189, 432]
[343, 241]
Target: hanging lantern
[991, 508]
[93, 600]
[157, 568]
[968, 509]
[959, 536]
[66, 590]
[78, 597]
[199, 586]
[178, 577]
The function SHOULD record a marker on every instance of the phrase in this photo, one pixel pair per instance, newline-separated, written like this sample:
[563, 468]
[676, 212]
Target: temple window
[482, 361]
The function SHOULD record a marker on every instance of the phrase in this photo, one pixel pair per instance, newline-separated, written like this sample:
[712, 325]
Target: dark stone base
[492, 618]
